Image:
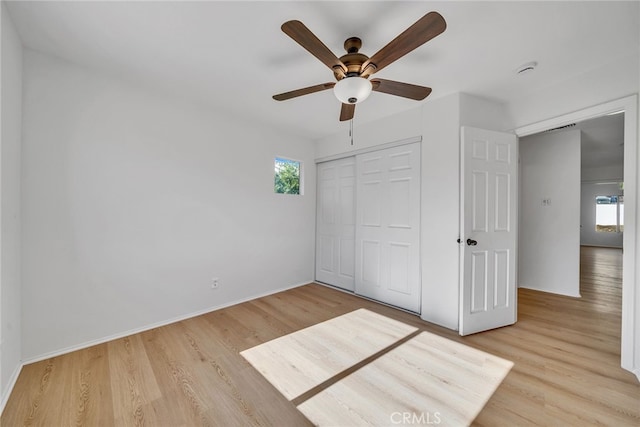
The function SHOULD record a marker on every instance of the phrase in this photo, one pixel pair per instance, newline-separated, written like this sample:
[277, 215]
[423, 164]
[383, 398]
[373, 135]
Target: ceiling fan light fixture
[352, 90]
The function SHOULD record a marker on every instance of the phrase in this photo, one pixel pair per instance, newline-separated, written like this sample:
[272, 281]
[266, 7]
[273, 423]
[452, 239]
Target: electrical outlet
[215, 283]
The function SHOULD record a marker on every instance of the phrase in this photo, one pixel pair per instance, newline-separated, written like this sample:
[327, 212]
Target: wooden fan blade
[347, 112]
[303, 91]
[305, 38]
[405, 90]
[426, 28]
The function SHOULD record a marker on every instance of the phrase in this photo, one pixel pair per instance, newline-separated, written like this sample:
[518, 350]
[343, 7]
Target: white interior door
[335, 222]
[388, 226]
[488, 230]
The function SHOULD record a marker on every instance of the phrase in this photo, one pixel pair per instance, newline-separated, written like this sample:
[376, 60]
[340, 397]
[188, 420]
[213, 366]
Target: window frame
[285, 159]
[619, 201]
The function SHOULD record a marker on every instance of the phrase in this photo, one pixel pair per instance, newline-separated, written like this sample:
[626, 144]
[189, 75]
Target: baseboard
[153, 325]
[12, 383]
[548, 291]
[636, 372]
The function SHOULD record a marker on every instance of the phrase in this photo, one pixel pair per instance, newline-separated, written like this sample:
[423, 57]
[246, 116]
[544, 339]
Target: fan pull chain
[351, 130]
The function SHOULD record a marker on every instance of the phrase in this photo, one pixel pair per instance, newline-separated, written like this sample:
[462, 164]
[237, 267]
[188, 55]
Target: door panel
[399, 254]
[388, 226]
[503, 202]
[501, 285]
[479, 200]
[400, 202]
[369, 264]
[335, 232]
[325, 250]
[369, 203]
[487, 230]
[478, 281]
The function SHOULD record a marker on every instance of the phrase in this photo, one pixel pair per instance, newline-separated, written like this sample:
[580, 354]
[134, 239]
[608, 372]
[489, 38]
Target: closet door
[388, 226]
[335, 223]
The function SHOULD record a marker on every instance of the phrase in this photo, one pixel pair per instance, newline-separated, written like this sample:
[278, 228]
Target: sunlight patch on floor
[297, 362]
[427, 380]
[424, 381]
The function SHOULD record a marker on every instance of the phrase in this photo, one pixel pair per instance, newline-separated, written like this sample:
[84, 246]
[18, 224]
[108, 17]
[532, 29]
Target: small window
[610, 214]
[287, 176]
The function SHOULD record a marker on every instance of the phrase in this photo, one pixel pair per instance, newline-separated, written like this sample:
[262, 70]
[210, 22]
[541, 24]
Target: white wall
[10, 290]
[393, 128]
[588, 234]
[549, 236]
[483, 113]
[441, 220]
[634, 306]
[133, 201]
[603, 173]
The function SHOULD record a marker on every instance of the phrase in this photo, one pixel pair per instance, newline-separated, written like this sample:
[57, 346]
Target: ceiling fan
[353, 70]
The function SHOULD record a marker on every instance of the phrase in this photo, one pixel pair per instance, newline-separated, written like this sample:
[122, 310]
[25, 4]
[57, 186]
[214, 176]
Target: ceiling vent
[526, 68]
[561, 127]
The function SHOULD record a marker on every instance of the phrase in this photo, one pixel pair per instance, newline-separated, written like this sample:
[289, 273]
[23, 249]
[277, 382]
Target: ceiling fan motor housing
[353, 60]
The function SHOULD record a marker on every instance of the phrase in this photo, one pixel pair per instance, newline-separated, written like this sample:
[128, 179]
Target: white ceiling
[602, 141]
[233, 56]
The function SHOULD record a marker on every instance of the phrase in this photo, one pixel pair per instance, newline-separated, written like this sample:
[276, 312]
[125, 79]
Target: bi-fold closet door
[368, 225]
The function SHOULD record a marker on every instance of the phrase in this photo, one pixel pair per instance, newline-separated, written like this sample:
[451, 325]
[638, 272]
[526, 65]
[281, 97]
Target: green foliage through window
[287, 176]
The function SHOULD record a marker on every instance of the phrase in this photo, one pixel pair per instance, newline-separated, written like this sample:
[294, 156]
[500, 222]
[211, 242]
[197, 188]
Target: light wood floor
[566, 353]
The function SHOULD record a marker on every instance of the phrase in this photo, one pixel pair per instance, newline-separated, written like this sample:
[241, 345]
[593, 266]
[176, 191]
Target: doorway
[571, 196]
[630, 309]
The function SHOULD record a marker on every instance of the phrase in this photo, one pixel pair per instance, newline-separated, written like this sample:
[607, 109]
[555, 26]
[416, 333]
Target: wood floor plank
[174, 363]
[566, 354]
[90, 377]
[27, 396]
[133, 383]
